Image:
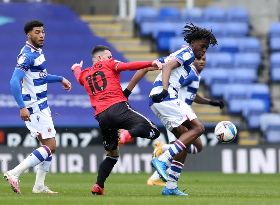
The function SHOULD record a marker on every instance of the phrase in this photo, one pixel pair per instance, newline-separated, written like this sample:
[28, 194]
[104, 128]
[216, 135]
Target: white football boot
[43, 190]
[13, 180]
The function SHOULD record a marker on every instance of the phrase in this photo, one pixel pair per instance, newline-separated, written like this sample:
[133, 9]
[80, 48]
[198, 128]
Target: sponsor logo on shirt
[43, 74]
[21, 59]
[187, 56]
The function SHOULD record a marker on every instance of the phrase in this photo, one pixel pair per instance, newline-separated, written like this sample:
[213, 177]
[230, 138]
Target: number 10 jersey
[102, 83]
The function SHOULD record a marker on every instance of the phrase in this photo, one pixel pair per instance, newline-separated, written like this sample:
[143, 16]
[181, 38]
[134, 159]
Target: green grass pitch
[121, 189]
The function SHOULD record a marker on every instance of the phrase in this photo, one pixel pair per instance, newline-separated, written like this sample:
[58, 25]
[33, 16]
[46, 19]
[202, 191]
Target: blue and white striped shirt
[31, 60]
[190, 86]
[185, 57]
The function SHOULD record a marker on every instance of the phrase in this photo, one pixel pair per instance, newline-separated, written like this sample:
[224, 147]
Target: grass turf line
[121, 189]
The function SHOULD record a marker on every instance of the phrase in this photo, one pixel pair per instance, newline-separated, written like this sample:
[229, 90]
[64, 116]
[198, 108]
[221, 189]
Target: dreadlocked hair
[193, 32]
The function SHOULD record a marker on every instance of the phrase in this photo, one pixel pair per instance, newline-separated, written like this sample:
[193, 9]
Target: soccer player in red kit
[112, 111]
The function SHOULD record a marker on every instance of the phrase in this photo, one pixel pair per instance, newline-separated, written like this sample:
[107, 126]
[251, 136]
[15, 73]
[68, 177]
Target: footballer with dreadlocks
[175, 114]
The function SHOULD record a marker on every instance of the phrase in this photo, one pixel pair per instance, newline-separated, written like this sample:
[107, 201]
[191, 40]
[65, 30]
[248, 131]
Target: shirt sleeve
[24, 62]
[162, 59]
[185, 57]
[78, 75]
[15, 86]
[120, 66]
[189, 79]
[54, 78]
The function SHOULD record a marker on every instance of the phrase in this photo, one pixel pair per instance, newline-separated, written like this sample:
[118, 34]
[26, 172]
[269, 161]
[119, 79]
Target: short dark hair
[193, 32]
[31, 24]
[97, 49]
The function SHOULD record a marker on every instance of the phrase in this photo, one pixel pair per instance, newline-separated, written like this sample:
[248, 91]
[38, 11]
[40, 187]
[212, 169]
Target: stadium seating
[236, 29]
[192, 15]
[274, 30]
[272, 134]
[249, 44]
[275, 60]
[274, 44]
[169, 14]
[222, 60]
[268, 119]
[235, 106]
[275, 74]
[242, 75]
[234, 91]
[252, 109]
[144, 14]
[249, 60]
[214, 14]
[229, 44]
[146, 28]
[176, 43]
[162, 32]
[237, 14]
[260, 91]
[216, 27]
[178, 28]
[216, 75]
[270, 126]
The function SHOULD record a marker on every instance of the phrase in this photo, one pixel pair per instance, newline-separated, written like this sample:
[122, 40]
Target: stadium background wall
[224, 158]
[87, 136]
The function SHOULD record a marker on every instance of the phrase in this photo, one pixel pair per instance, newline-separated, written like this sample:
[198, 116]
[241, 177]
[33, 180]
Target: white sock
[155, 176]
[40, 179]
[36, 157]
[165, 147]
[42, 170]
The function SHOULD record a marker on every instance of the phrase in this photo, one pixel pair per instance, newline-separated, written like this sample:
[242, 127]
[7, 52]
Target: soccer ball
[225, 131]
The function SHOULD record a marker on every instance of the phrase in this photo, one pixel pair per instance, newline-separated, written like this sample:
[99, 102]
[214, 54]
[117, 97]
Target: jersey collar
[32, 47]
[195, 70]
[185, 46]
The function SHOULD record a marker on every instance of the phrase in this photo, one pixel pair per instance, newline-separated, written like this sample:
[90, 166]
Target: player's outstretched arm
[201, 100]
[66, 84]
[16, 90]
[138, 65]
[76, 68]
[136, 78]
[166, 72]
[55, 78]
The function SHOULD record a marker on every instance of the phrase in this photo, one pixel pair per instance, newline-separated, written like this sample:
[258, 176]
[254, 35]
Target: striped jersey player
[34, 110]
[188, 94]
[175, 114]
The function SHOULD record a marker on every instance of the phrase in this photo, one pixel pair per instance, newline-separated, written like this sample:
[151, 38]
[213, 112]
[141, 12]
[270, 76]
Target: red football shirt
[102, 82]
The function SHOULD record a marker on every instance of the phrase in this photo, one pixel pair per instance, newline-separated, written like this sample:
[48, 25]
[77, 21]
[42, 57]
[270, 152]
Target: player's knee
[154, 133]
[52, 148]
[199, 130]
[151, 131]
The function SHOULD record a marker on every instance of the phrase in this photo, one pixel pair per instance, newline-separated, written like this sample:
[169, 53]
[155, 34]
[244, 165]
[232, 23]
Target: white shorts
[173, 113]
[171, 137]
[41, 123]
